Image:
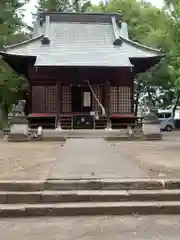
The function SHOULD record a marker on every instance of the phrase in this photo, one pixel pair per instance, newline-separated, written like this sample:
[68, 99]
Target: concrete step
[89, 184]
[89, 208]
[112, 184]
[88, 196]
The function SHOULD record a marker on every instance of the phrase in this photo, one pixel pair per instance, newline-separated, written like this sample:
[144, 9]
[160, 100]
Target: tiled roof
[90, 43]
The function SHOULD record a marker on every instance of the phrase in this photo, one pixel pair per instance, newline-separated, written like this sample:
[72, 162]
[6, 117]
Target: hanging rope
[97, 100]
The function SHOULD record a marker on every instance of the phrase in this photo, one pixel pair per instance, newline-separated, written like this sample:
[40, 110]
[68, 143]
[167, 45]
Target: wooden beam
[58, 103]
[132, 91]
[108, 103]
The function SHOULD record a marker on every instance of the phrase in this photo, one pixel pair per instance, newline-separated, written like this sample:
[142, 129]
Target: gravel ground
[96, 228]
[34, 160]
[157, 156]
[28, 160]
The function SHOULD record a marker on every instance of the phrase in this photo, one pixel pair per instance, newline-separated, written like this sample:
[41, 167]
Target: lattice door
[95, 105]
[51, 97]
[66, 99]
[124, 99]
[38, 99]
[120, 99]
[114, 99]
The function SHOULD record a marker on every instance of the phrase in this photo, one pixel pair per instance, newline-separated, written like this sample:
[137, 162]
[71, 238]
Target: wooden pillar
[58, 104]
[29, 98]
[132, 89]
[108, 104]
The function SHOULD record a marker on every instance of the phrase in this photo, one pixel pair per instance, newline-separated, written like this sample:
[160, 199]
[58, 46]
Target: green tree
[64, 5]
[146, 23]
[172, 9]
[11, 25]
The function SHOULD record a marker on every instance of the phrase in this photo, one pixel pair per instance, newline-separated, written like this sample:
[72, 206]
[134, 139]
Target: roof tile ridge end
[22, 43]
[117, 39]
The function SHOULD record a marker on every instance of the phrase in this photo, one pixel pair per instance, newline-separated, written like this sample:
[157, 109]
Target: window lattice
[66, 99]
[124, 99]
[51, 92]
[95, 105]
[120, 99]
[114, 99]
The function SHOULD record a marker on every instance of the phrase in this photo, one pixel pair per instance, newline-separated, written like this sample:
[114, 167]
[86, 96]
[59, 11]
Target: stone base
[151, 131]
[17, 137]
[153, 136]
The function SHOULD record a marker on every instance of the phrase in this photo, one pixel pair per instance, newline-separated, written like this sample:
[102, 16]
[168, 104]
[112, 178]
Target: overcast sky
[32, 9]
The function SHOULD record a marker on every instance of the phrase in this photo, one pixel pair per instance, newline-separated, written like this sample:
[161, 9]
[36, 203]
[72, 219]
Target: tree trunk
[137, 98]
[77, 6]
[136, 103]
[176, 103]
[150, 97]
[4, 119]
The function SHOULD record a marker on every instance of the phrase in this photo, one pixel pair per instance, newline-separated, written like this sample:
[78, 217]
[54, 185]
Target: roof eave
[19, 63]
[142, 64]
[157, 52]
[17, 45]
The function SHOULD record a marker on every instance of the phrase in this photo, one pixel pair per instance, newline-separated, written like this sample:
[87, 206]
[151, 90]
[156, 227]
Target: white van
[166, 120]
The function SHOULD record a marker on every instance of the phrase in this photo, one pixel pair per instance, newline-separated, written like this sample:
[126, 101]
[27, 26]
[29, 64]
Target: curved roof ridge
[23, 43]
[158, 51]
[123, 35]
[117, 39]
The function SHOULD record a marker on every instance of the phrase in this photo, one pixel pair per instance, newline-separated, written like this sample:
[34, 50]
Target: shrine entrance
[81, 99]
[81, 107]
[76, 99]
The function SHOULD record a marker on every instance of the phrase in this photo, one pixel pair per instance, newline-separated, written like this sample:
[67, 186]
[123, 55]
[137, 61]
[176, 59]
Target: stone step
[89, 184]
[21, 185]
[88, 196]
[18, 137]
[112, 184]
[89, 208]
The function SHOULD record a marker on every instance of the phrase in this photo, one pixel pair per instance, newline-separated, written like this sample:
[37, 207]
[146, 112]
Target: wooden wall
[44, 99]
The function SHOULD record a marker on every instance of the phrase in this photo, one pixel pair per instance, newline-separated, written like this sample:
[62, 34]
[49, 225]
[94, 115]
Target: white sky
[30, 8]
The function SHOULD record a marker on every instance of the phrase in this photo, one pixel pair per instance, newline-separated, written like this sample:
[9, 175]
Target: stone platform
[84, 133]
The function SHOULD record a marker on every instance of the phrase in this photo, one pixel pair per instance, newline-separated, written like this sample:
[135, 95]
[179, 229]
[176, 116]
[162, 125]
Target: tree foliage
[65, 5]
[11, 25]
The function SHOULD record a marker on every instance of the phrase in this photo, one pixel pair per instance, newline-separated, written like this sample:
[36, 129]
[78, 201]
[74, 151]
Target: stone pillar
[151, 127]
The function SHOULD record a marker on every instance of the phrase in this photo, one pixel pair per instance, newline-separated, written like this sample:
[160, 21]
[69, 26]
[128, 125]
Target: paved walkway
[93, 158]
[96, 228]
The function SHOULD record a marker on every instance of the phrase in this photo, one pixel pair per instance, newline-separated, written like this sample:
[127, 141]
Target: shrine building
[80, 69]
